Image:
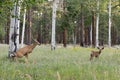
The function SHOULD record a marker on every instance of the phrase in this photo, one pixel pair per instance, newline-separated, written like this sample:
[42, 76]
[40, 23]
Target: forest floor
[71, 63]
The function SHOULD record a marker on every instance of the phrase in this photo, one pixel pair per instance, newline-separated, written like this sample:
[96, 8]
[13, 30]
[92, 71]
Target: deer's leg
[15, 59]
[91, 57]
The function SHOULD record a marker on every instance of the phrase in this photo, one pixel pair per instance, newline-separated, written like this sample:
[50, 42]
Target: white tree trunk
[53, 25]
[91, 34]
[18, 23]
[23, 29]
[97, 25]
[12, 24]
[109, 29]
[14, 29]
[74, 39]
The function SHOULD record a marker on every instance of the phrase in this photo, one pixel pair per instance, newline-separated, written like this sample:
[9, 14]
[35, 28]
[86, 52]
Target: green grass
[61, 64]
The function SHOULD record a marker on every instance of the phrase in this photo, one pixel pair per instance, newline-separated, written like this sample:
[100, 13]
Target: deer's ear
[98, 47]
[102, 47]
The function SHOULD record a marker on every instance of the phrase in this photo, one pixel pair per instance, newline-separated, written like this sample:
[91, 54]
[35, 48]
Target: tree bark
[97, 25]
[14, 30]
[39, 35]
[7, 32]
[65, 37]
[109, 29]
[93, 29]
[74, 36]
[82, 33]
[82, 42]
[53, 46]
[87, 37]
[23, 29]
[29, 26]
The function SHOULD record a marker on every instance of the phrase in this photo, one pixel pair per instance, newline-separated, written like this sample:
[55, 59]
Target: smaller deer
[96, 53]
[25, 51]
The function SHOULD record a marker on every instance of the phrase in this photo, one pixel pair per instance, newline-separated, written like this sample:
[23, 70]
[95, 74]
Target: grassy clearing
[61, 64]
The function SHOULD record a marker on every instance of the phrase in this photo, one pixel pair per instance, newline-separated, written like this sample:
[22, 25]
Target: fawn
[96, 53]
[25, 51]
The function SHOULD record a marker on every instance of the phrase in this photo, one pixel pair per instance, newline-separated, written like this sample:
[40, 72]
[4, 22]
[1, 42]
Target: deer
[96, 53]
[25, 51]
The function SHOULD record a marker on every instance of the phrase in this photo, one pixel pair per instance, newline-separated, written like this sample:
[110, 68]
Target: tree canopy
[68, 18]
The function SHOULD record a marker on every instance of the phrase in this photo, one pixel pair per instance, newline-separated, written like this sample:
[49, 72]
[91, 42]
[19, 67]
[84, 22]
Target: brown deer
[25, 51]
[96, 53]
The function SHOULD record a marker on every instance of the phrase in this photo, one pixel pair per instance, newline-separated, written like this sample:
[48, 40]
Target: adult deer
[25, 51]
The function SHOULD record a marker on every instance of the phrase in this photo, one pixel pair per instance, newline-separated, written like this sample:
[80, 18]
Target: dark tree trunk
[114, 37]
[39, 38]
[29, 26]
[7, 34]
[7, 31]
[65, 37]
[39, 32]
[78, 35]
[93, 29]
[87, 38]
[89, 35]
[47, 34]
[59, 37]
[82, 39]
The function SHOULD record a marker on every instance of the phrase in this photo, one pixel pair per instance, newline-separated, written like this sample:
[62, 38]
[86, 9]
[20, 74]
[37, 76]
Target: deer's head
[100, 49]
[36, 42]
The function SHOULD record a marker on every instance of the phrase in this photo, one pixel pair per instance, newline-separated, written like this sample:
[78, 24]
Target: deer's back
[23, 51]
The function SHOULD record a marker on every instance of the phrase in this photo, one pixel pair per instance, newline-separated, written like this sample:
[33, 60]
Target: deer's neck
[34, 45]
[99, 51]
